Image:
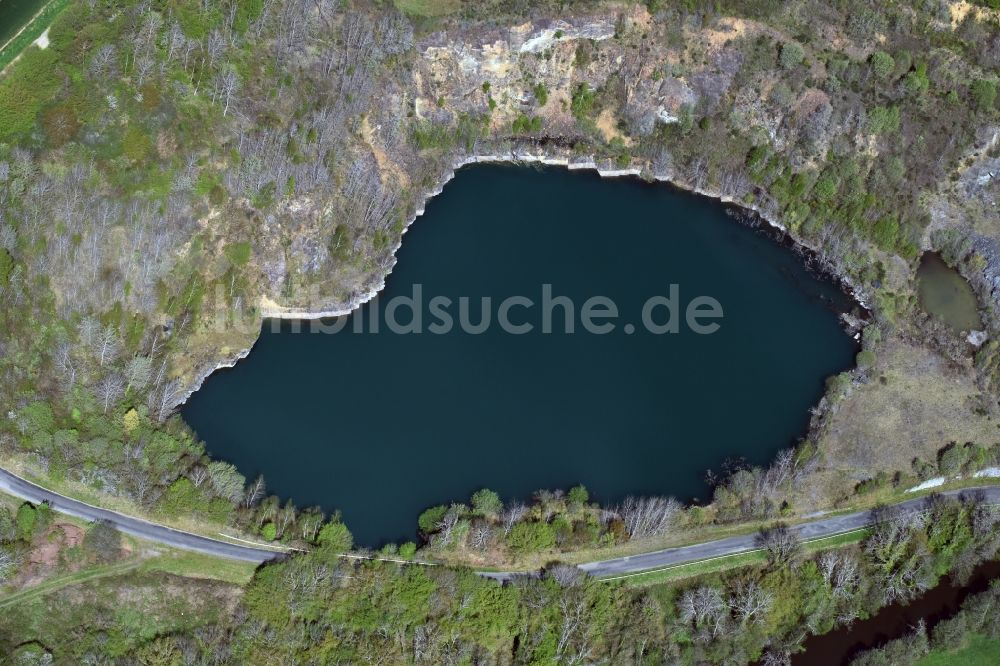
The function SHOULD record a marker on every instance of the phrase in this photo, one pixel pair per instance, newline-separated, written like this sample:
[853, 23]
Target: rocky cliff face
[630, 92]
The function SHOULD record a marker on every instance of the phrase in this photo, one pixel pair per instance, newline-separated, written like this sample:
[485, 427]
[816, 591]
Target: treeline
[320, 607]
[556, 521]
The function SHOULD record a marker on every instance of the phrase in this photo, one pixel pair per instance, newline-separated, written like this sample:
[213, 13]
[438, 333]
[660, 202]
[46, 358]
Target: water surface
[14, 14]
[382, 426]
[944, 293]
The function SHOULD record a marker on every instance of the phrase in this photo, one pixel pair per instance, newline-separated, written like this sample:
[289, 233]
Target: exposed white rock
[988, 473]
[543, 39]
[929, 483]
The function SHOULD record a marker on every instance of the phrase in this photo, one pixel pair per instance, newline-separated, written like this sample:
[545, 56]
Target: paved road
[15, 485]
[822, 527]
[619, 566]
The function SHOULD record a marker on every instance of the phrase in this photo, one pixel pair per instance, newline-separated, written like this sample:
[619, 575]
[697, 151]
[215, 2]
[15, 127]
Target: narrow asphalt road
[15, 485]
[822, 527]
[620, 566]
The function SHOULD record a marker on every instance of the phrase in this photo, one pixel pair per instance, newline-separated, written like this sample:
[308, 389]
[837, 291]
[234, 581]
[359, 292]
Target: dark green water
[943, 292]
[382, 425]
[14, 14]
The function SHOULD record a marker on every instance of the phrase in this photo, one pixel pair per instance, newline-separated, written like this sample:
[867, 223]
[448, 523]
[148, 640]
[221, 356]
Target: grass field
[428, 7]
[980, 650]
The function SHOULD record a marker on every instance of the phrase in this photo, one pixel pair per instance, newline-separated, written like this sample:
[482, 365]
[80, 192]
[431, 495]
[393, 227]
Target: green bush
[26, 521]
[429, 519]
[865, 358]
[336, 537]
[531, 537]
[486, 502]
[578, 495]
[269, 532]
[984, 93]
[541, 94]
[882, 64]
[582, 102]
[883, 120]
[791, 55]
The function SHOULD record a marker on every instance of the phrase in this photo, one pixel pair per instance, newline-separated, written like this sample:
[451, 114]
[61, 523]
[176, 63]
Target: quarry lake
[381, 425]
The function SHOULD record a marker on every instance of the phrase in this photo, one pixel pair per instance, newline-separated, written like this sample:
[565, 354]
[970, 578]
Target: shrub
[407, 550]
[531, 537]
[541, 94]
[238, 253]
[865, 358]
[883, 120]
[582, 103]
[950, 460]
[26, 520]
[882, 64]
[791, 55]
[103, 541]
[984, 94]
[269, 532]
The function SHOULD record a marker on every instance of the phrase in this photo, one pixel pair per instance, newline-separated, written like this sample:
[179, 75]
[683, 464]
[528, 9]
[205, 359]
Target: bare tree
[106, 345]
[110, 389]
[750, 602]
[648, 516]
[137, 372]
[198, 475]
[254, 492]
[446, 527]
[782, 546]
[512, 515]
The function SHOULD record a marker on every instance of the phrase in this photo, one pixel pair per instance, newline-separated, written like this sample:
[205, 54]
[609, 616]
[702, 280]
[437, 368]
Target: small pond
[944, 293]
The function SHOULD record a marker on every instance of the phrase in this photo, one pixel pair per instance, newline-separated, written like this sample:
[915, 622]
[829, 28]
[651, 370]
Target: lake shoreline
[738, 210]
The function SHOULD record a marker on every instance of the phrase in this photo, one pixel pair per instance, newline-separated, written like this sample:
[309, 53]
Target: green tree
[429, 519]
[578, 495]
[270, 532]
[486, 502]
[336, 537]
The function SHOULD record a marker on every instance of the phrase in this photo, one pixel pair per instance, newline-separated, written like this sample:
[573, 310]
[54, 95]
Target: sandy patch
[385, 165]
[607, 123]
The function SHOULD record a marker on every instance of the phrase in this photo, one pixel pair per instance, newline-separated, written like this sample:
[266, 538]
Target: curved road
[620, 566]
[15, 485]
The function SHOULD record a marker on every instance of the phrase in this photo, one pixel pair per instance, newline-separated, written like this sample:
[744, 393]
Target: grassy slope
[980, 650]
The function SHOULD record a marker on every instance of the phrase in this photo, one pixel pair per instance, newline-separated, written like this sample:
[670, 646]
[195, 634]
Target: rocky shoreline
[270, 311]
